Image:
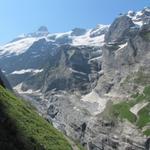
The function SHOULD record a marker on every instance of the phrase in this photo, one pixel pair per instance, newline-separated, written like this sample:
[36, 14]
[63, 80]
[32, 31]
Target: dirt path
[136, 108]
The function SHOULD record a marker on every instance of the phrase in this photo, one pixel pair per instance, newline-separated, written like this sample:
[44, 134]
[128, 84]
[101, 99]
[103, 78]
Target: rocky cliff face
[4, 82]
[94, 89]
[126, 51]
[71, 69]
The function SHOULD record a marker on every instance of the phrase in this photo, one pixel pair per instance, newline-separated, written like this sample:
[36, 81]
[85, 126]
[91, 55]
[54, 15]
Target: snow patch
[75, 71]
[147, 9]
[23, 71]
[99, 29]
[87, 40]
[3, 71]
[29, 91]
[58, 35]
[16, 47]
[123, 45]
[95, 58]
[138, 23]
[136, 17]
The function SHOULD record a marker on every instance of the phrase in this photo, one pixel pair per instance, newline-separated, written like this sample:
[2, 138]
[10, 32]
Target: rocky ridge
[81, 87]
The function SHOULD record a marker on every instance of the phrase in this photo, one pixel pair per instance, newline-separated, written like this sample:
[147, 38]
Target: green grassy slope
[22, 128]
[122, 111]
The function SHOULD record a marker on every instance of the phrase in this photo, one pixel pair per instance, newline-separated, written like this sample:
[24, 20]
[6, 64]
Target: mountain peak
[147, 9]
[78, 31]
[42, 29]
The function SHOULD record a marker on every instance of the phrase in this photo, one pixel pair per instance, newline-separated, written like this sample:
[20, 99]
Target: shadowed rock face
[147, 144]
[119, 29]
[43, 29]
[69, 70]
[1, 83]
[78, 32]
[4, 82]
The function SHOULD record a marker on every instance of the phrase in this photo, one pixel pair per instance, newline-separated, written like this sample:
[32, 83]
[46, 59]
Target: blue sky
[24, 16]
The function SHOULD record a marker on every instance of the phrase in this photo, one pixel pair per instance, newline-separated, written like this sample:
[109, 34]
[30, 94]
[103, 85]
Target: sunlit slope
[21, 128]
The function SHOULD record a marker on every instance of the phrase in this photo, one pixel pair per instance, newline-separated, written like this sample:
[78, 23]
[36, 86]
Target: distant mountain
[28, 55]
[75, 37]
[93, 84]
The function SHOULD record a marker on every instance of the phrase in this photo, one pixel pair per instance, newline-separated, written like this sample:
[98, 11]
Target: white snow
[35, 56]
[22, 36]
[21, 45]
[136, 108]
[93, 97]
[58, 35]
[3, 71]
[84, 39]
[136, 18]
[129, 13]
[138, 23]
[139, 13]
[99, 29]
[23, 71]
[29, 91]
[17, 47]
[122, 45]
[87, 40]
[75, 71]
[147, 9]
[95, 58]
[18, 88]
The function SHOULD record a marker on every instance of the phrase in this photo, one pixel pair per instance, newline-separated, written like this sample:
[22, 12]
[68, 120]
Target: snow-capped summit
[93, 37]
[23, 42]
[99, 30]
[78, 32]
[16, 47]
[80, 36]
[147, 9]
[42, 31]
[140, 17]
[76, 37]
